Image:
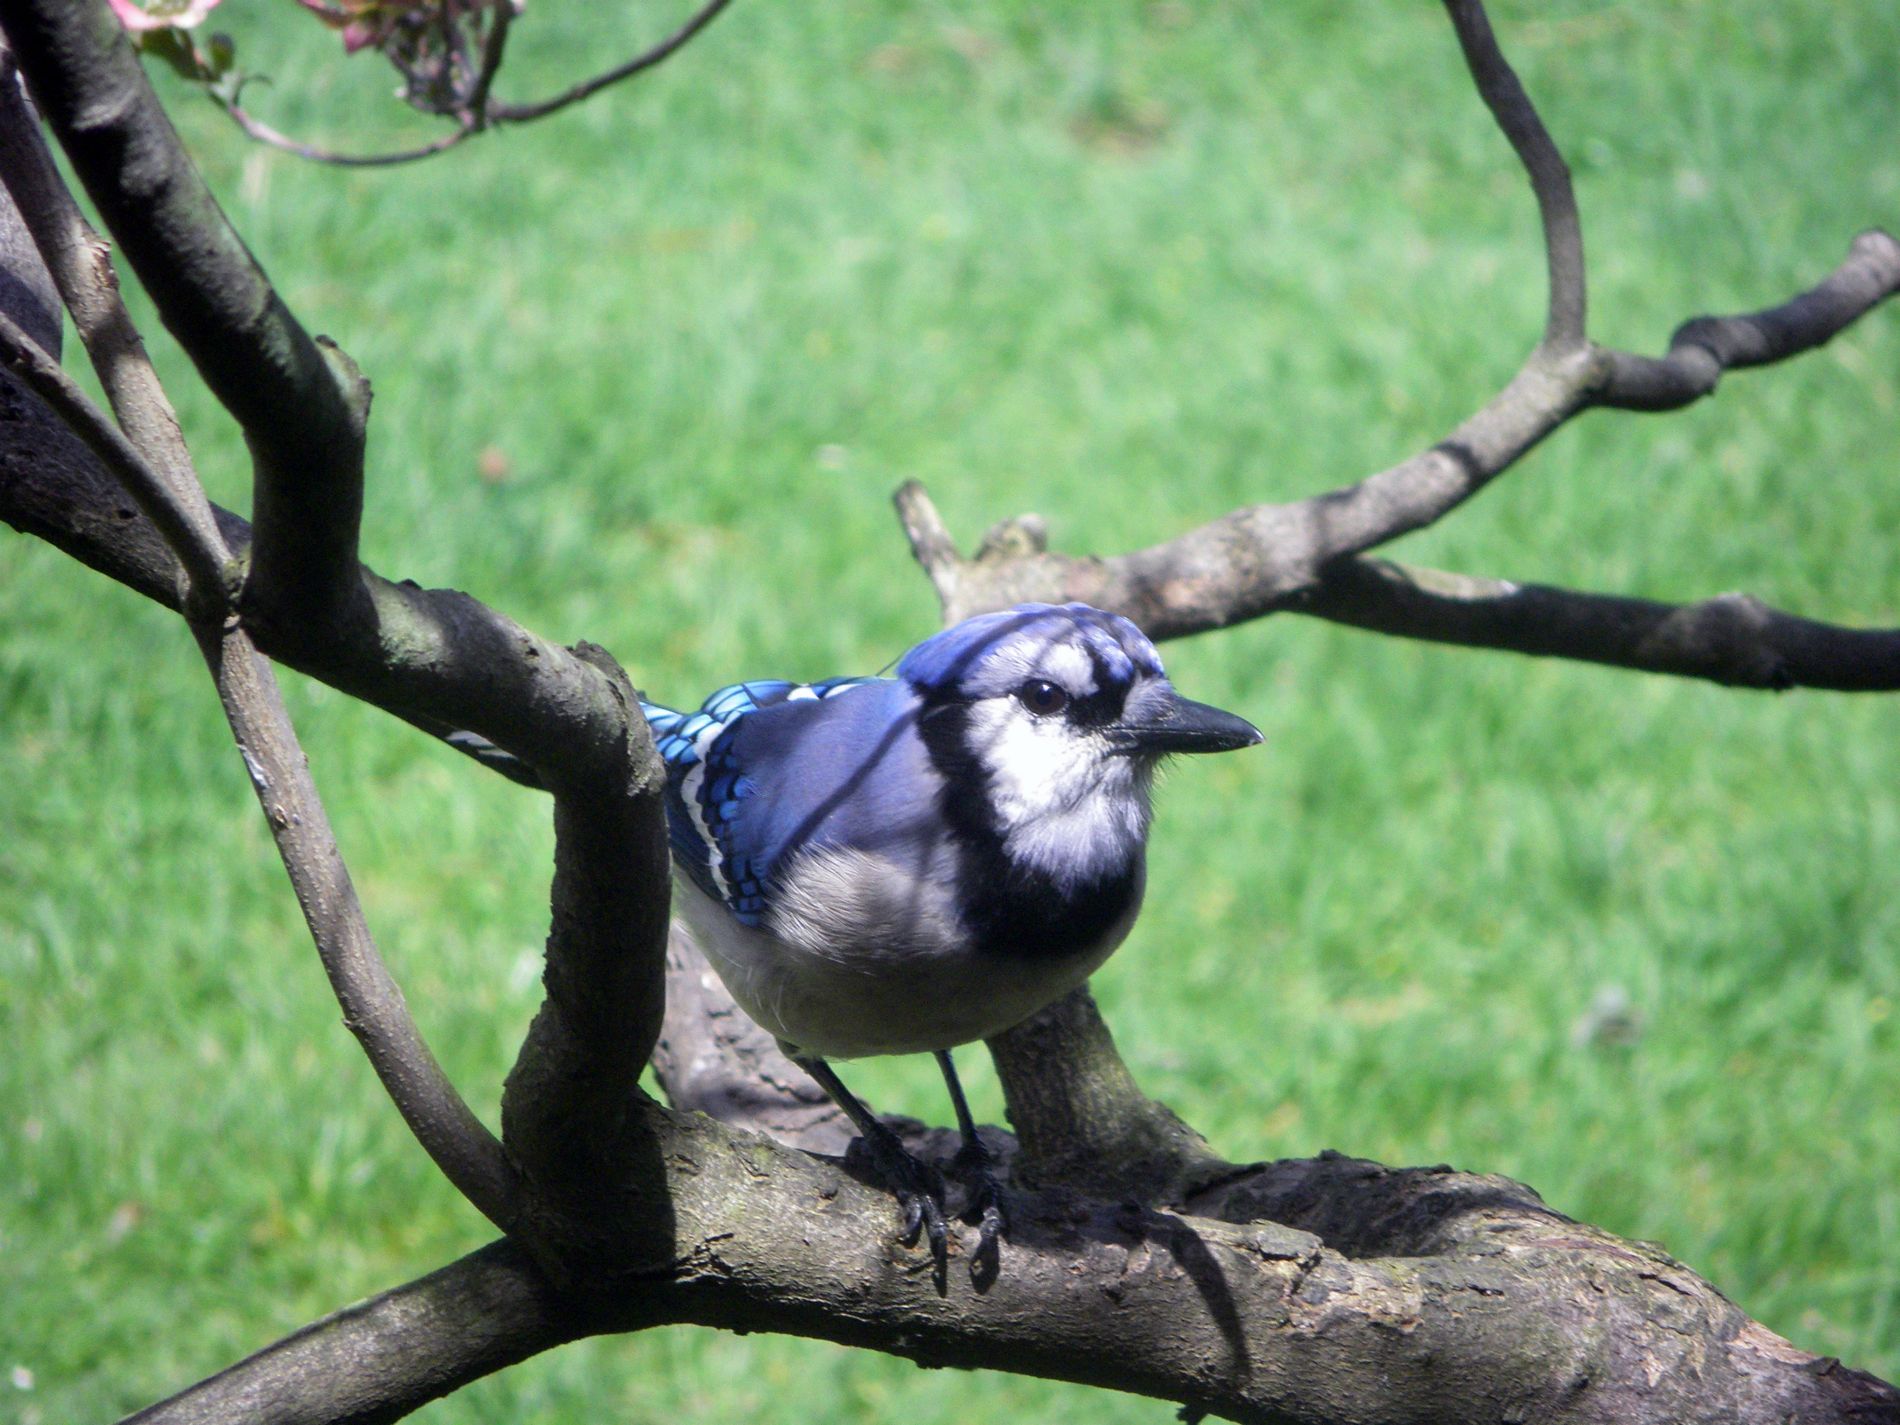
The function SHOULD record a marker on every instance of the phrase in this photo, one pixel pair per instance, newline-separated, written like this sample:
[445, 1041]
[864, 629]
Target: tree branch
[256, 129]
[1498, 86]
[82, 270]
[1704, 347]
[646, 59]
[1264, 559]
[1419, 1295]
[573, 1089]
[571, 1108]
[472, 119]
[300, 402]
[373, 1007]
[478, 110]
[1261, 558]
[437, 658]
[1081, 1120]
[195, 542]
[382, 1358]
[1732, 639]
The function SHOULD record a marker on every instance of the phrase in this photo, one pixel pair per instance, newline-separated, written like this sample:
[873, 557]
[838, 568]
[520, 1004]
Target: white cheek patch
[1062, 801]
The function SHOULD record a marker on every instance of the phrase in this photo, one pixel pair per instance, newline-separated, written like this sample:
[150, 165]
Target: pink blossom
[161, 14]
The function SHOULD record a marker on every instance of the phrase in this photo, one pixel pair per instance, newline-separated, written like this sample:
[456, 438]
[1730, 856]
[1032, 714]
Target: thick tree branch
[380, 1359]
[1733, 639]
[1413, 1296]
[194, 541]
[1081, 1120]
[299, 401]
[571, 1109]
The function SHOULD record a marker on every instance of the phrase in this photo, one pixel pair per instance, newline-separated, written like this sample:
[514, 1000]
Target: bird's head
[1058, 714]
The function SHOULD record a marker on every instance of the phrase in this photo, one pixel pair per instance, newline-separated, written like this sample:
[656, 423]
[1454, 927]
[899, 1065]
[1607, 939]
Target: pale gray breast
[864, 957]
[866, 911]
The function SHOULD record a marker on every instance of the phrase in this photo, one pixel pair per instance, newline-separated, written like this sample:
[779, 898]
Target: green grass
[1127, 265]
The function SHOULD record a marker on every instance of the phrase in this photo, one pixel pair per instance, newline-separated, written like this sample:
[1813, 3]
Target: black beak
[1157, 719]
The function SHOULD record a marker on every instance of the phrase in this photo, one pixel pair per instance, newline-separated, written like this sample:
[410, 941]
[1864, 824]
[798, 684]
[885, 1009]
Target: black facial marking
[1026, 915]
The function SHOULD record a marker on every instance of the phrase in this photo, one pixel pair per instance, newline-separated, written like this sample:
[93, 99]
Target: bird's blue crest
[958, 657]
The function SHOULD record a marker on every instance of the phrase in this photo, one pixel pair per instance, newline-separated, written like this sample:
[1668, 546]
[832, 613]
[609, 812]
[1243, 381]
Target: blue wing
[708, 787]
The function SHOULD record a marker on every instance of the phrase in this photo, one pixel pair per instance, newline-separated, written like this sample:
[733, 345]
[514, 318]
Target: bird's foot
[918, 1188]
[983, 1203]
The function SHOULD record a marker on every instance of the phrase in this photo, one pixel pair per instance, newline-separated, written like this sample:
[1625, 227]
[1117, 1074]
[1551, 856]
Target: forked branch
[373, 1008]
[1302, 556]
[569, 716]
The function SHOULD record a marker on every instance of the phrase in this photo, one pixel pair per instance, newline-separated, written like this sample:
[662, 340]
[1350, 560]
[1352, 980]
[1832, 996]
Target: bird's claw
[922, 1199]
[982, 1205]
[923, 1216]
[919, 1191]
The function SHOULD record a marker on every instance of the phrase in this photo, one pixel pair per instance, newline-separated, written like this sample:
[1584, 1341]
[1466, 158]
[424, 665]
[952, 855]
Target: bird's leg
[973, 1166]
[918, 1188]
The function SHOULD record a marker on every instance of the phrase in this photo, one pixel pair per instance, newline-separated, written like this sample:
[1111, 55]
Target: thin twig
[1550, 176]
[473, 119]
[257, 129]
[480, 111]
[492, 49]
[521, 113]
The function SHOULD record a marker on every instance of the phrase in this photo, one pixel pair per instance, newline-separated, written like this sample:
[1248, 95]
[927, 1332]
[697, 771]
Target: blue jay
[901, 865]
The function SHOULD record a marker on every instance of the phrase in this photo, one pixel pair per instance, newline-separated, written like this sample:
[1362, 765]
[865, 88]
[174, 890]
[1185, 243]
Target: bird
[904, 864]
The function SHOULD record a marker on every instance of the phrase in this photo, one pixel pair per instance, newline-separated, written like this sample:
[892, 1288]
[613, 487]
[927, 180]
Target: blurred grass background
[646, 374]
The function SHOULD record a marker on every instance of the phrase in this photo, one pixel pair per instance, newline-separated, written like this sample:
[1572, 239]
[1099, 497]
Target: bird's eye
[1042, 698]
